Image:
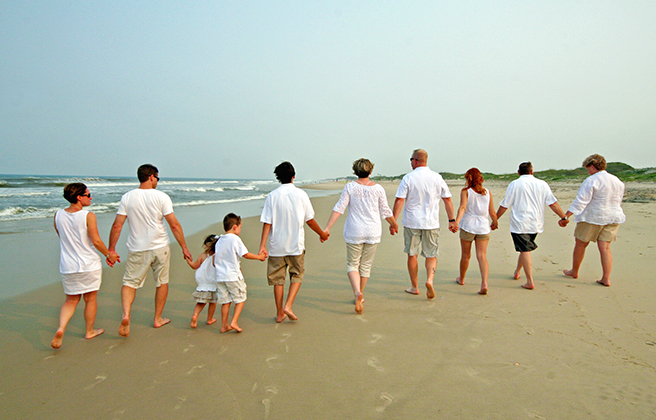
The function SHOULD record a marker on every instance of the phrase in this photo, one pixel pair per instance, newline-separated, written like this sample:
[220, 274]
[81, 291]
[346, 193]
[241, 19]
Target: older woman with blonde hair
[367, 204]
[472, 221]
[598, 216]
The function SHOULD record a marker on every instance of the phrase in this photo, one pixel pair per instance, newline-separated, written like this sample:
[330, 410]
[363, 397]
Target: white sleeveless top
[206, 276]
[475, 219]
[78, 255]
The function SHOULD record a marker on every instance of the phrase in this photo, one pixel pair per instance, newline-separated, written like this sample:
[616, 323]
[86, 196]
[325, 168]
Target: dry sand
[570, 349]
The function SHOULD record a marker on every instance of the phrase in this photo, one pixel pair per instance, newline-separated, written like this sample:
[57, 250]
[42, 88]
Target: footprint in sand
[534, 415]
[387, 400]
[376, 337]
[109, 350]
[163, 362]
[189, 347]
[182, 399]
[49, 357]
[267, 407]
[254, 388]
[434, 322]
[271, 362]
[473, 373]
[476, 343]
[99, 379]
[223, 349]
[285, 337]
[194, 369]
[373, 362]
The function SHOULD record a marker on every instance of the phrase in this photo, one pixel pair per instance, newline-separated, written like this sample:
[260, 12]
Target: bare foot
[570, 273]
[194, 321]
[235, 327]
[517, 274]
[483, 291]
[124, 329]
[430, 292]
[290, 314]
[161, 322]
[226, 329]
[412, 291]
[603, 284]
[279, 319]
[358, 304]
[211, 321]
[94, 333]
[460, 281]
[528, 286]
[57, 341]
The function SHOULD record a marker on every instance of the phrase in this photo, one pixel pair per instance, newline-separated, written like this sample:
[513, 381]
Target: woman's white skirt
[80, 283]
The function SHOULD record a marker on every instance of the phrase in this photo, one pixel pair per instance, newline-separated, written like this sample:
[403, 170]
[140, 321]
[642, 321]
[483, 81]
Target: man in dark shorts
[526, 197]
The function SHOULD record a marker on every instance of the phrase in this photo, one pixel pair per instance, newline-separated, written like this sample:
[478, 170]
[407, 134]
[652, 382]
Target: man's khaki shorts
[138, 263]
[426, 239]
[277, 269]
[587, 232]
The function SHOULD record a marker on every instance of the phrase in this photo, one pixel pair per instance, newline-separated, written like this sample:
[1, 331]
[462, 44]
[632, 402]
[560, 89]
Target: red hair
[474, 180]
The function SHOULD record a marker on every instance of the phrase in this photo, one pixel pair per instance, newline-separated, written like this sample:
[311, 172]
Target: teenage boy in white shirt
[285, 211]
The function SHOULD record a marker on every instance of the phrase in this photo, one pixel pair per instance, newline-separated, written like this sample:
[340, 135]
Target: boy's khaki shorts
[587, 232]
[277, 269]
[139, 262]
[231, 291]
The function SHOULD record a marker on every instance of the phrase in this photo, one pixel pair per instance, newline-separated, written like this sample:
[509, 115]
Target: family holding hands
[287, 209]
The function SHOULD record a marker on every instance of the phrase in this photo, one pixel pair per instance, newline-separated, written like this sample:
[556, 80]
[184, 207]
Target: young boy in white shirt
[231, 286]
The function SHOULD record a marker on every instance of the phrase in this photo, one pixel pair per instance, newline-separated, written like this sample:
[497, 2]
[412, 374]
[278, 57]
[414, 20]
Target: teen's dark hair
[284, 172]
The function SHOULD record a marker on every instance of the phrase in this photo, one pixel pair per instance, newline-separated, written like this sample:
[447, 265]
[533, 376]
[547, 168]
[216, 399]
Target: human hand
[264, 251]
[563, 222]
[186, 254]
[494, 225]
[324, 237]
[262, 255]
[453, 227]
[393, 230]
[112, 258]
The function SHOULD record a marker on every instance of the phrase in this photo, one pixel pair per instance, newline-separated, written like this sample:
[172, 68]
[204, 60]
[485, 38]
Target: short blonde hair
[598, 161]
[363, 167]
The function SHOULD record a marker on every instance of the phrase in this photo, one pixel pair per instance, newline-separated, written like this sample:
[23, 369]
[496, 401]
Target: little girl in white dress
[206, 278]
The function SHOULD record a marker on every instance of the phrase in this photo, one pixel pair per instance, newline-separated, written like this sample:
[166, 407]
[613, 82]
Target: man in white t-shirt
[526, 197]
[285, 211]
[420, 191]
[145, 208]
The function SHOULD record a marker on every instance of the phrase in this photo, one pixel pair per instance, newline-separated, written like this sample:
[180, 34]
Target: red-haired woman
[472, 221]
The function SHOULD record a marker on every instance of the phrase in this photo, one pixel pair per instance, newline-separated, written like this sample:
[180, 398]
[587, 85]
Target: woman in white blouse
[598, 216]
[79, 264]
[367, 204]
[472, 221]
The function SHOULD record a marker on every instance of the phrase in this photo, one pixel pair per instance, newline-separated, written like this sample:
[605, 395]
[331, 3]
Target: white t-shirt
[145, 209]
[526, 197]
[598, 200]
[78, 255]
[367, 204]
[227, 251]
[475, 220]
[422, 190]
[286, 209]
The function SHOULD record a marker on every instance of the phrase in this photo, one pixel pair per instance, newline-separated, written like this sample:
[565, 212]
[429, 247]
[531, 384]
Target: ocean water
[27, 201]
[29, 247]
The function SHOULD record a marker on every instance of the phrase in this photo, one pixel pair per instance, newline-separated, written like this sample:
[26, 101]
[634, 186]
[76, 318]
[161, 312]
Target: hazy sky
[229, 89]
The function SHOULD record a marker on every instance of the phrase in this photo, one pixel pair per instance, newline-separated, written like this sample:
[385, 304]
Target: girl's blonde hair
[209, 243]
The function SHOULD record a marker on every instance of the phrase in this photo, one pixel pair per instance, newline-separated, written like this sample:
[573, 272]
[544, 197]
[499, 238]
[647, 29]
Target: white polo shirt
[145, 209]
[598, 200]
[286, 209]
[422, 190]
[526, 197]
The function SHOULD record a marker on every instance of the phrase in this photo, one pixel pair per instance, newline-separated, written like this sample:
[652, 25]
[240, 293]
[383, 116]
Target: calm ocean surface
[29, 247]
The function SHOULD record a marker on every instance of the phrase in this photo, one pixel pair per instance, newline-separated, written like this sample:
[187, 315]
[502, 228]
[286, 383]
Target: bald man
[420, 192]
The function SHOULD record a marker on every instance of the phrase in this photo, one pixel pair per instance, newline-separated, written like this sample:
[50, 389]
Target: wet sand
[570, 349]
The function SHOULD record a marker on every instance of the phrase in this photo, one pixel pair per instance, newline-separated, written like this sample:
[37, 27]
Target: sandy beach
[570, 349]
